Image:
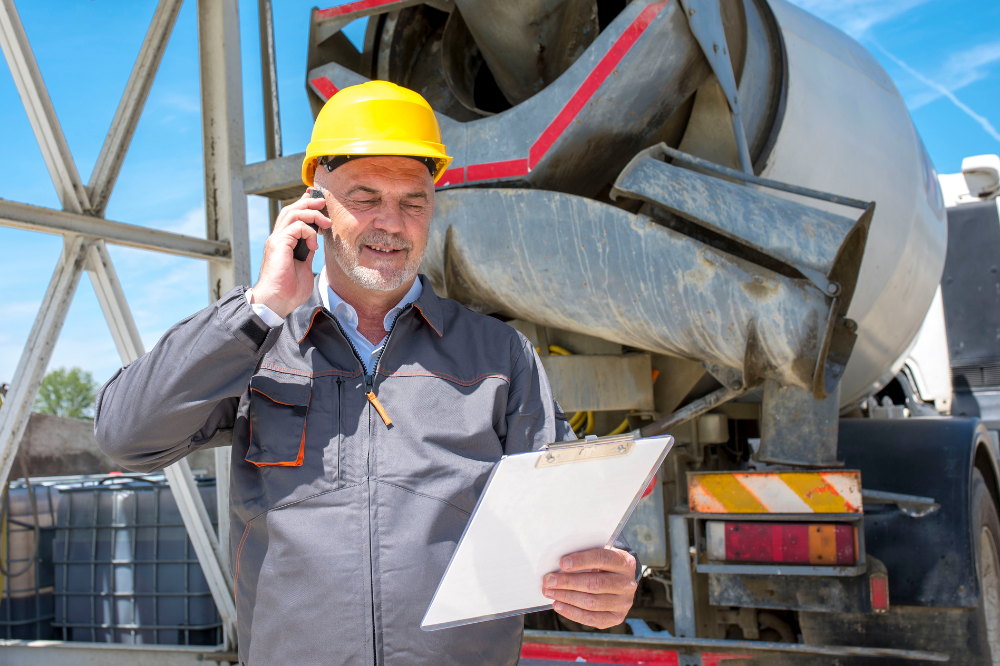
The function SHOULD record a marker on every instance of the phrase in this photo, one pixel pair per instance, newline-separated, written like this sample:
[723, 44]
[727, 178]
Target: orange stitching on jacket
[277, 402]
[300, 373]
[342, 373]
[302, 444]
[431, 373]
[286, 463]
[239, 552]
[440, 335]
[357, 373]
[310, 325]
[267, 366]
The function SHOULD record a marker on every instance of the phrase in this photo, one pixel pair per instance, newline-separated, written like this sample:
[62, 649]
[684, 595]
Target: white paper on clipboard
[537, 507]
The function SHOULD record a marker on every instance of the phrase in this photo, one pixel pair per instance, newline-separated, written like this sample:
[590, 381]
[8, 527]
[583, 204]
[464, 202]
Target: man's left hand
[595, 587]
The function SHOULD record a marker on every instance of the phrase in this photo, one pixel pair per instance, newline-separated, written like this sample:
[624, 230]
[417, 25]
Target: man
[366, 414]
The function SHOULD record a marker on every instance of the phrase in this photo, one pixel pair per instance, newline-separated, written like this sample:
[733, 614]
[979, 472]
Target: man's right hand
[286, 283]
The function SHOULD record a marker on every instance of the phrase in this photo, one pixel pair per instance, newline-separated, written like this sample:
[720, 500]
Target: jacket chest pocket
[278, 410]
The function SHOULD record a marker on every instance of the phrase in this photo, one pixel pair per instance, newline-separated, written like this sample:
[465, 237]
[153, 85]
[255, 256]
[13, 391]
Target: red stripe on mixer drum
[491, 170]
[569, 112]
[576, 103]
[352, 7]
[455, 176]
[324, 86]
[593, 82]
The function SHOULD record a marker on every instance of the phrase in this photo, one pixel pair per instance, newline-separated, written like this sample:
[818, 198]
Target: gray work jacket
[341, 525]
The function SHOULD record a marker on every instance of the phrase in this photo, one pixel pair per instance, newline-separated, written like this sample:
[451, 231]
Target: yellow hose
[585, 420]
[622, 427]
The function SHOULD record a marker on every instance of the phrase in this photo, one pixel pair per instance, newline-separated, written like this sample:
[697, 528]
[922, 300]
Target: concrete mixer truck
[715, 219]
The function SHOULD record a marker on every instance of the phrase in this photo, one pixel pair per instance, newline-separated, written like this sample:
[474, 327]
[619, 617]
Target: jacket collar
[429, 306]
[302, 318]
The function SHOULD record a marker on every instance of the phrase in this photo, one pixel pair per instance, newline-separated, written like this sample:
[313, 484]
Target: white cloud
[161, 289]
[84, 340]
[257, 212]
[958, 71]
[181, 101]
[10, 354]
[95, 353]
[28, 309]
[191, 223]
[857, 17]
[942, 90]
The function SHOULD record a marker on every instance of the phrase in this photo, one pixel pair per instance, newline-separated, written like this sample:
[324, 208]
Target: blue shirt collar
[346, 313]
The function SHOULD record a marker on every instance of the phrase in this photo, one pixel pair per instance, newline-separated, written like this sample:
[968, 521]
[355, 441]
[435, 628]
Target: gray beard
[377, 278]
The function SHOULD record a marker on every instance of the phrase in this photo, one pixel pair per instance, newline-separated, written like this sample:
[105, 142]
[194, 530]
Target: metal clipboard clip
[592, 448]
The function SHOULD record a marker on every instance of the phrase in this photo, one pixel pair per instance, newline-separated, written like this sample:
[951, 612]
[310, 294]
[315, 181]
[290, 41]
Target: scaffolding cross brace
[86, 234]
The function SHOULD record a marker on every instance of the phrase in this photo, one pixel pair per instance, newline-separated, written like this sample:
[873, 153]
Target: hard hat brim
[335, 147]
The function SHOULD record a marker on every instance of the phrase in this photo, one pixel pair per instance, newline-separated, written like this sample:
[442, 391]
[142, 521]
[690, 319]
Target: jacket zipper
[370, 385]
[370, 394]
[340, 430]
[370, 379]
[346, 337]
[371, 554]
[392, 327]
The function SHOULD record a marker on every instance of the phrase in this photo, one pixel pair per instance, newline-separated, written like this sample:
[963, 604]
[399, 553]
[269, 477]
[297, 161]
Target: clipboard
[535, 508]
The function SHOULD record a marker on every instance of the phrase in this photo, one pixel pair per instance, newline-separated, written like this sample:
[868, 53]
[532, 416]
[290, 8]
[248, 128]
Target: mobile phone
[301, 250]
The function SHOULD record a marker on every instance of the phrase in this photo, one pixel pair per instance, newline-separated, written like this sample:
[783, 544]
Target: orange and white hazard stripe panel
[775, 492]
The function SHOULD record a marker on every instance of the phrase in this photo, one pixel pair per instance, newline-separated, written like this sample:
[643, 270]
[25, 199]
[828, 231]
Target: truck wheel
[987, 526]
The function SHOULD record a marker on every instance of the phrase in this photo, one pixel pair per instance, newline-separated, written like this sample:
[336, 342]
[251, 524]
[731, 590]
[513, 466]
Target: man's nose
[389, 219]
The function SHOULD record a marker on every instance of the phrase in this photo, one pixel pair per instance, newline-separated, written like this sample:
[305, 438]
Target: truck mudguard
[931, 560]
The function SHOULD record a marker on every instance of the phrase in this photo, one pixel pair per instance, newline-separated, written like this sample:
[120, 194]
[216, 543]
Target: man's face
[381, 208]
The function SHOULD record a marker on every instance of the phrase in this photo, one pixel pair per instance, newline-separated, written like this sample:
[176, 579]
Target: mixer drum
[818, 111]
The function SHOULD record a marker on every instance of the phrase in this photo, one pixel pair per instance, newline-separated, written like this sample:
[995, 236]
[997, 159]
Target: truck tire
[987, 534]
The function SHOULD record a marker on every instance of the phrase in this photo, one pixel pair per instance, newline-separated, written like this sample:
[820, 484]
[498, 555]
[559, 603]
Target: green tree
[68, 393]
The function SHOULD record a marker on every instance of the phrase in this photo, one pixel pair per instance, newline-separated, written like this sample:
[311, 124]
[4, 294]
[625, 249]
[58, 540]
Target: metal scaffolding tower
[86, 234]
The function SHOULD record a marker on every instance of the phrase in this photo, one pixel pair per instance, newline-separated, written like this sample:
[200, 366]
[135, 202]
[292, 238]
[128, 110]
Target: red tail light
[880, 592]
[818, 544]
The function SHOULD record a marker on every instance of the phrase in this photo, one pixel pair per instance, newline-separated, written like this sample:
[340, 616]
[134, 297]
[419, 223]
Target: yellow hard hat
[376, 118]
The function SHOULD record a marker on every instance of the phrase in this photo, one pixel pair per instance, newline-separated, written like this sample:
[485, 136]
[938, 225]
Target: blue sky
[944, 56]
